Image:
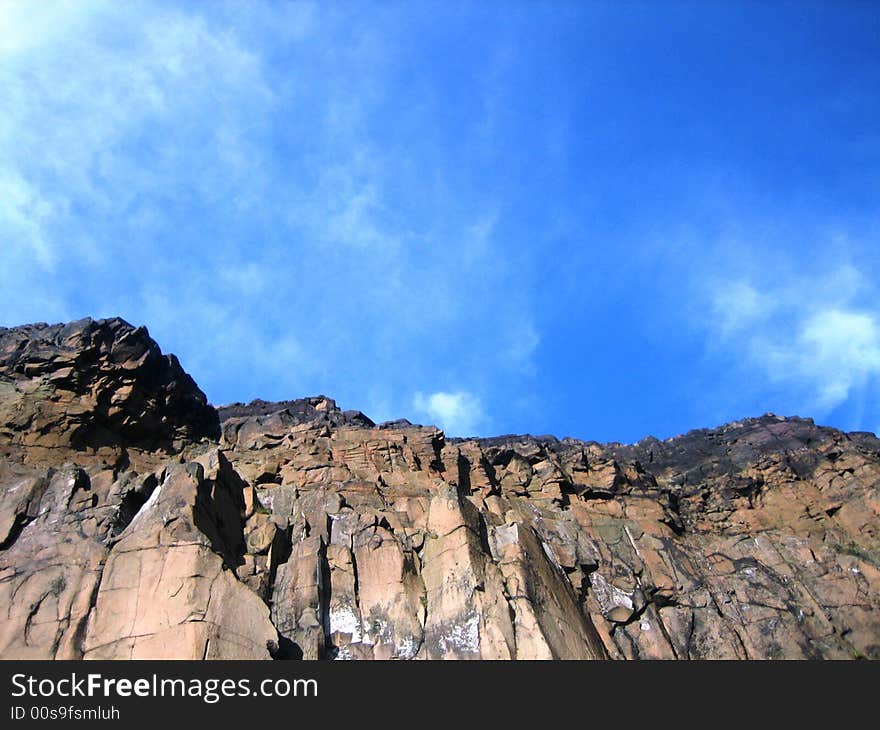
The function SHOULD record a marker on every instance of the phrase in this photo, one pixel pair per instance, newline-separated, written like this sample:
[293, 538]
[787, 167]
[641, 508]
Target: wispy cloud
[105, 120]
[817, 337]
[233, 179]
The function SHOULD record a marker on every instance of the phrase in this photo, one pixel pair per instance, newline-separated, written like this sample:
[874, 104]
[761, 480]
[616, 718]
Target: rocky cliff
[138, 521]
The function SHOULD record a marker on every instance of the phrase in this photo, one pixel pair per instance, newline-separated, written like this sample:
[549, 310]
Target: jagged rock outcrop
[88, 384]
[138, 521]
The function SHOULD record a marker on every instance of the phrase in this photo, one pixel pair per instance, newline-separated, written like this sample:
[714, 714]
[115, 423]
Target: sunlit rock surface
[137, 521]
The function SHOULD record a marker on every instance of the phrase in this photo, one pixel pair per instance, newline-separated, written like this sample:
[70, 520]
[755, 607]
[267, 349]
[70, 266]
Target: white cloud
[458, 413]
[817, 337]
[835, 351]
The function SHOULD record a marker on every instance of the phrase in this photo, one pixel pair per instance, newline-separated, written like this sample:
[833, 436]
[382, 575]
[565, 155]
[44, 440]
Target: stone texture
[138, 521]
[89, 384]
[169, 587]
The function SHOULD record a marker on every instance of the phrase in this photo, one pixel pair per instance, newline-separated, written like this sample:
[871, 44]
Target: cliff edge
[138, 521]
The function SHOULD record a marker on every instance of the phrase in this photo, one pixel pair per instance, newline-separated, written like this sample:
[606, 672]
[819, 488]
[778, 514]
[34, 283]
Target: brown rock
[131, 525]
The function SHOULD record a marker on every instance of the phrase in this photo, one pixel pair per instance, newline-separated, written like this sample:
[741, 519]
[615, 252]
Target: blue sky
[602, 220]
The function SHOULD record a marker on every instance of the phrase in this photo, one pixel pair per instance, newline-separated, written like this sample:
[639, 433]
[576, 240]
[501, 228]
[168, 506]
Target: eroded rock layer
[137, 521]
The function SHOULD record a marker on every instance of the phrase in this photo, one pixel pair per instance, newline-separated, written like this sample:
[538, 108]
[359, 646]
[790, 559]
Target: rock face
[137, 521]
[88, 384]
